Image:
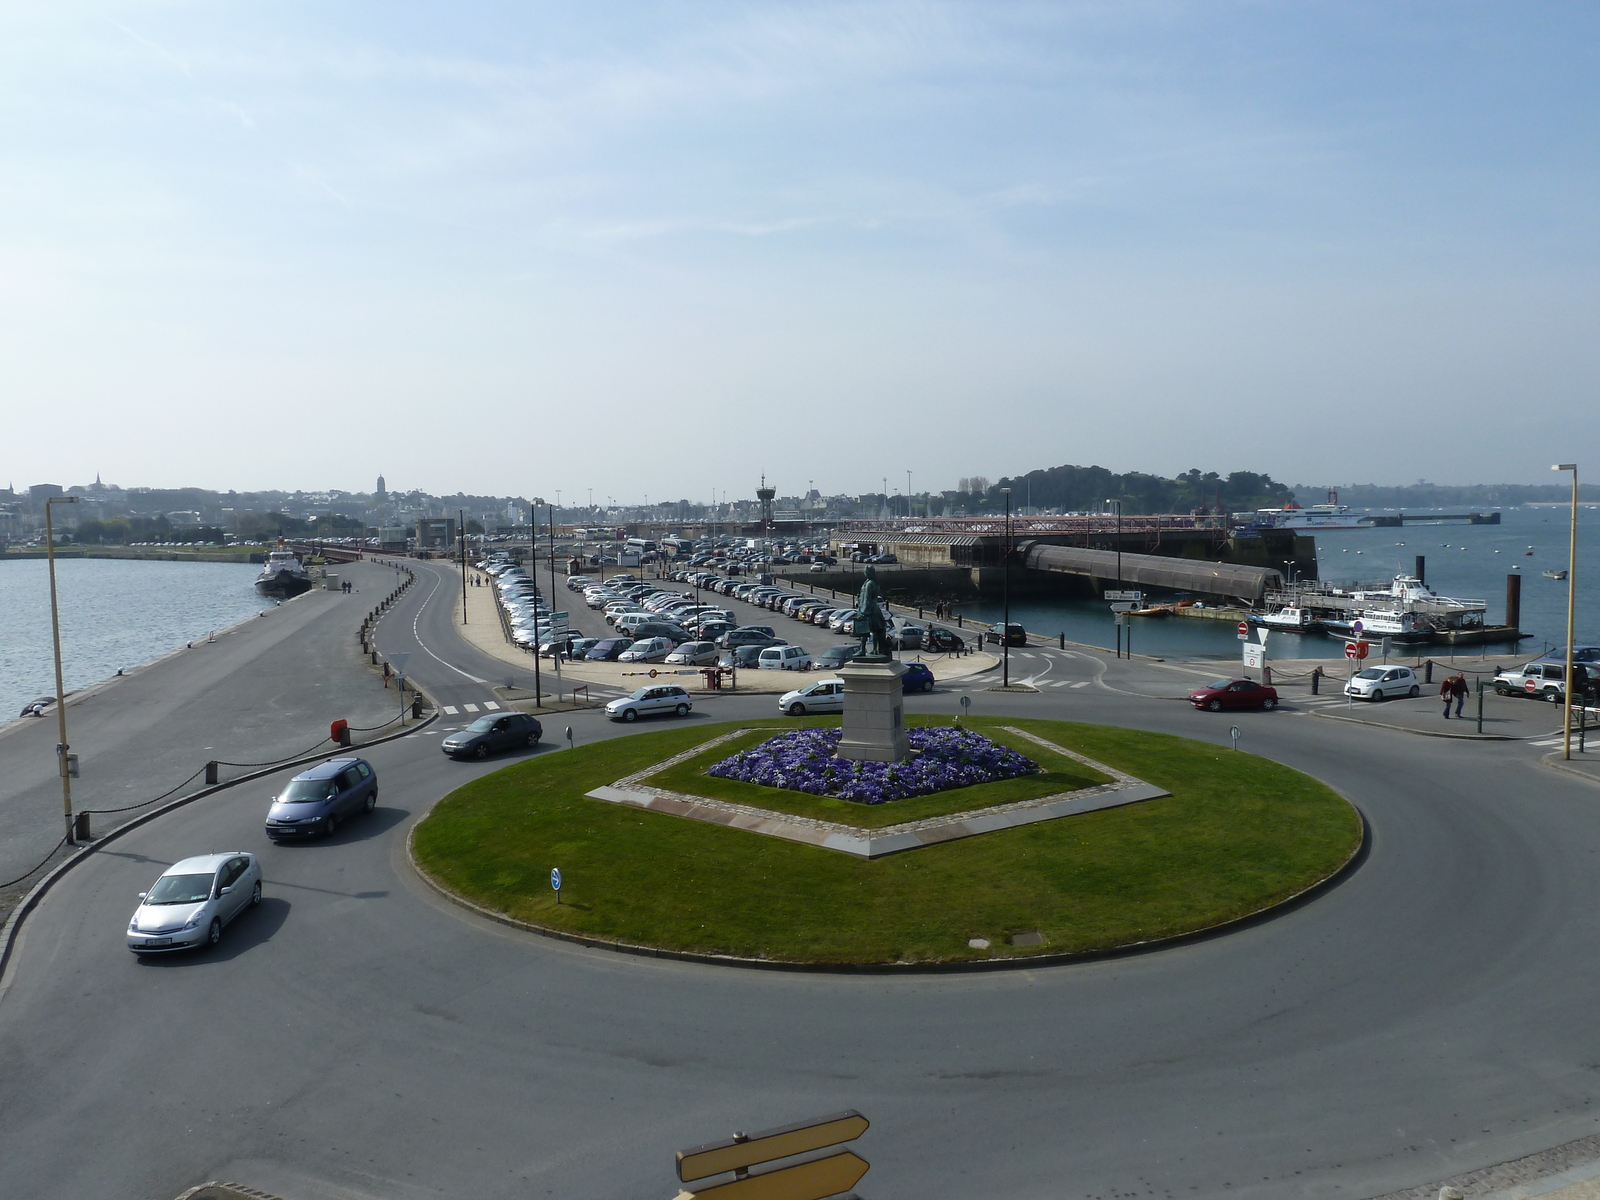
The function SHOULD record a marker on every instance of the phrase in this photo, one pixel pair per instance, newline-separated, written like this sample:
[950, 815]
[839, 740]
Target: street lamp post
[1005, 577]
[1572, 580]
[61, 692]
[461, 515]
[533, 557]
[1118, 503]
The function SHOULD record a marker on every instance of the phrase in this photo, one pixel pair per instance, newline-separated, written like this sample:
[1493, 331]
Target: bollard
[211, 773]
[80, 827]
[1316, 680]
[958, 620]
[1428, 671]
[1266, 676]
[1063, 640]
[416, 705]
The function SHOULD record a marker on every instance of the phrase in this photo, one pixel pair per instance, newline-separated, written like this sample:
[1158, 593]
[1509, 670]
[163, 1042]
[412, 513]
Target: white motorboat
[283, 575]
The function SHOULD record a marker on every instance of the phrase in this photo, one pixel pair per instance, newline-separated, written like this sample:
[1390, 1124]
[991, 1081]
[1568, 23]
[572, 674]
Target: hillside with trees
[1086, 489]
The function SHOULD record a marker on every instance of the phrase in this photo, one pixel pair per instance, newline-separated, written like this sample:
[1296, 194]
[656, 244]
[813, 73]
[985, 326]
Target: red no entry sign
[1355, 650]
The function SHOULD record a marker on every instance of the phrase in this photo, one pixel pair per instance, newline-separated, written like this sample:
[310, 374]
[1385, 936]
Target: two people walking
[1454, 689]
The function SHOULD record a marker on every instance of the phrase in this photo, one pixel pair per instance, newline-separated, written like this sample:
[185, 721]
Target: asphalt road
[356, 1036]
[262, 690]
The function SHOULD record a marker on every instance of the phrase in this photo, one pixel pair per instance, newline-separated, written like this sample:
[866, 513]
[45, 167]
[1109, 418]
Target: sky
[658, 249]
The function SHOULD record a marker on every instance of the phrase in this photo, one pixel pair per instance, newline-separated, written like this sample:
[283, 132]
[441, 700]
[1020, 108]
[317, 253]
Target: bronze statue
[869, 619]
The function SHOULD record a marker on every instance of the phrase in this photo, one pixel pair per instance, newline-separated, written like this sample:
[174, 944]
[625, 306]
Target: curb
[1328, 882]
[1556, 763]
[8, 935]
[1461, 737]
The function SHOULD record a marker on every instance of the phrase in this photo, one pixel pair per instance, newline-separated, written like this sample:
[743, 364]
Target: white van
[784, 658]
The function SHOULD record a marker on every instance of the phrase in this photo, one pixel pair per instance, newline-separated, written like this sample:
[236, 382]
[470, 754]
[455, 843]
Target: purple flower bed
[804, 761]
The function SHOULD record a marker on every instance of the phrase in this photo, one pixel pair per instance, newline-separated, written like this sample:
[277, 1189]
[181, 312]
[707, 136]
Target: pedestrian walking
[1447, 693]
[1459, 689]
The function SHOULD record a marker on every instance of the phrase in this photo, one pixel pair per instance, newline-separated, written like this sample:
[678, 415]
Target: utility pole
[461, 515]
[62, 760]
[1005, 576]
[533, 574]
[1572, 583]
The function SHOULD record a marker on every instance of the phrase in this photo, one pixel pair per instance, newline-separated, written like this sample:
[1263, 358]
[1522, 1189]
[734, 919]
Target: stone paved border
[634, 790]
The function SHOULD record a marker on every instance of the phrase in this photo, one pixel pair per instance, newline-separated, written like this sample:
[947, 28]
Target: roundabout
[1219, 837]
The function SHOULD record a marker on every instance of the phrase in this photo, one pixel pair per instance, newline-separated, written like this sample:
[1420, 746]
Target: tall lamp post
[1118, 503]
[533, 559]
[1005, 577]
[461, 515]
[1572, 580]
[63, 763]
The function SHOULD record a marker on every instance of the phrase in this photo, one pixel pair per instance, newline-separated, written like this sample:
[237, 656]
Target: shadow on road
[354, 829]
[250, 929]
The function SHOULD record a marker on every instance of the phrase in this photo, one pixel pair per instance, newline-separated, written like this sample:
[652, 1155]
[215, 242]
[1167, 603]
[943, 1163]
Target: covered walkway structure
[1226, 580]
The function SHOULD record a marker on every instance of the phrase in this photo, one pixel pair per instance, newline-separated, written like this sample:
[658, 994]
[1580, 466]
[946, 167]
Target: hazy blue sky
[659, 248]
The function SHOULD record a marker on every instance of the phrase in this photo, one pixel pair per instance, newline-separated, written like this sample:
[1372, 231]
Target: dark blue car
[917, 678]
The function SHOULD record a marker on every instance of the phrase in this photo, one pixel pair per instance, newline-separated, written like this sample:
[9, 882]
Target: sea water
[115, 614]
[1466, 561]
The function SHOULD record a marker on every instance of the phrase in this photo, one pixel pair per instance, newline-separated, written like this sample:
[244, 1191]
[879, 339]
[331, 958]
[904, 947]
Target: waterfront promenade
[265, 689]
[358, 1036]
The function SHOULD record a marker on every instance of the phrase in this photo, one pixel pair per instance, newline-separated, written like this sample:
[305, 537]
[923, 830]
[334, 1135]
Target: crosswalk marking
[490, 704]
[1555, 741]
[470, 707]
[448, 709]
[1082, 683]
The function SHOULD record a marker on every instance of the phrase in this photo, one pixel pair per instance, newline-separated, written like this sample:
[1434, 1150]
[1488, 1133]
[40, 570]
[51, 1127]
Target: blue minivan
[316, 800]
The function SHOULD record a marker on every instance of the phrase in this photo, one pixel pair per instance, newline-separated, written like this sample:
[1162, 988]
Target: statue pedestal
[874, 713]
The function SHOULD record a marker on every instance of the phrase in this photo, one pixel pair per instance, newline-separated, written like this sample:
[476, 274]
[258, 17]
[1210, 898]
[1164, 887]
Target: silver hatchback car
[661, 698]
[192, 902]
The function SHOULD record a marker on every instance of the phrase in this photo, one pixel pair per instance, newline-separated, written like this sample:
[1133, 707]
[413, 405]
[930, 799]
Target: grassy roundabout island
[1238, 834]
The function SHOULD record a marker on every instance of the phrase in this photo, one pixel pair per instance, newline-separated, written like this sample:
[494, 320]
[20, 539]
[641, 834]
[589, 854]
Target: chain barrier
[41, 863]
[105, 812]
[222, 762]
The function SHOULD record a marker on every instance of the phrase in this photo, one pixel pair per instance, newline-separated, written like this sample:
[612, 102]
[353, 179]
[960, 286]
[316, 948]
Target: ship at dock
[1406, 610]
[283, 575]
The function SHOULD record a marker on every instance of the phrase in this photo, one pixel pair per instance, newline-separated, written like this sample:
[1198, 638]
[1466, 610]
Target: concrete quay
[261, 691]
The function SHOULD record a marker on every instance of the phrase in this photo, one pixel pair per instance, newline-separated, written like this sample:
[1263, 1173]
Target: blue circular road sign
[555, 878]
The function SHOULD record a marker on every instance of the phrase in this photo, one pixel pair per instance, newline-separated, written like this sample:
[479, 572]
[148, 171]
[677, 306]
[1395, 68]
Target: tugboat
[1288, 620]
[283, 575]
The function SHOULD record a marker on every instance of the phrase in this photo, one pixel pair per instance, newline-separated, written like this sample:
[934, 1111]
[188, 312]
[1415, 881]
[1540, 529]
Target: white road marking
[490, 704]
[416, 633]
[1555, 741]
[470, 707]
[1081, 683]
[448, 709]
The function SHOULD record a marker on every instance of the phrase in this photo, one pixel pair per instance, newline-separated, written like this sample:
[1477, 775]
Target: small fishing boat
[1555, 574]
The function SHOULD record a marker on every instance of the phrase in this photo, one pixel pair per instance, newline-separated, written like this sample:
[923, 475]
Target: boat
[1555, 574]
[282, 575]
[1287, 620]
[1331, 515]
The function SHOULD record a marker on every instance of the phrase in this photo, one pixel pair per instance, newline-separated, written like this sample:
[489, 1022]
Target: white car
[823, 696]
[657, 698]
[784, 658]
[1383, 683]
[192, 902]
[649, 650]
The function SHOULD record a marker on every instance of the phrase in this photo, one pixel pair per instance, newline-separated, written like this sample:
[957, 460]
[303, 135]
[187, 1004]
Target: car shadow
[355, 829]
[249, 929]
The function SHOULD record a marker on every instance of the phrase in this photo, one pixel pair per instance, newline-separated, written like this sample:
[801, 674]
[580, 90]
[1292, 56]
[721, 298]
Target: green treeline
[253, 527]
[1086, 489]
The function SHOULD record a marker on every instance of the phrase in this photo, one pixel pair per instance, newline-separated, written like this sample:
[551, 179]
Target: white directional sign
[1124, 595]
[1255, 656]
[812, 1180]
[1123, 606]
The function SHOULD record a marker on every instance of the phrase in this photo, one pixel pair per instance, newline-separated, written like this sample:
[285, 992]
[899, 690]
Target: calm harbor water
[1463, 560]
[115, 614]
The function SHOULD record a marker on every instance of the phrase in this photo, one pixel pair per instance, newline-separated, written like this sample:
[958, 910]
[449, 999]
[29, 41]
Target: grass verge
[1239, 834]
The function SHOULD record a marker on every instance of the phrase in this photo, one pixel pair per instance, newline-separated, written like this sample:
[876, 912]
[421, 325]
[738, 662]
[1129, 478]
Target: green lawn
[1057, 774]
[1238, 834]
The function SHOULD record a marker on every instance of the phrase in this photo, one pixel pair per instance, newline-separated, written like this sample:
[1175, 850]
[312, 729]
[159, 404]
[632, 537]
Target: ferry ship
[1331, 515]
[283, 575]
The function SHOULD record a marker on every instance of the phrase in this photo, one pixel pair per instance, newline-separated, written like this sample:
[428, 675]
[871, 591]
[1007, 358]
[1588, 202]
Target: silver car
[192, 902]
[824, 696]
[657, 698]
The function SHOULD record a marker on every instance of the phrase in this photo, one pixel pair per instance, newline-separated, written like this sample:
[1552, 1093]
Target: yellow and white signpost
[809, 1179]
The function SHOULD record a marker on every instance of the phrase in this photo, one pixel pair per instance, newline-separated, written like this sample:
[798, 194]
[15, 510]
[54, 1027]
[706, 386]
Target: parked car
[501, 731]
[674, 633]
[817, 568]
[650, 649]
[694, 654]
[823, 696]
[943, 640]
[658, 698]
[1233, 693]
[906, 637]
[1546, 680]
[918, 678]
[1013, 635]
[784, 658]
[747, 637]
[741, 658]
[193, 900]
[607, 649]
[835, 657]
[1383, 683]
[317, 799]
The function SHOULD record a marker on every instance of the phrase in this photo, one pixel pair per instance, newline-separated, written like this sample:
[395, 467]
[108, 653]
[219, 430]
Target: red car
[1233, 693]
